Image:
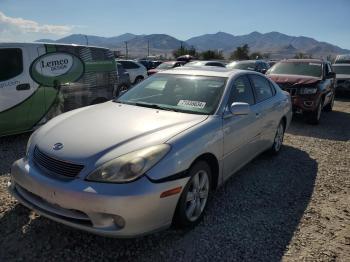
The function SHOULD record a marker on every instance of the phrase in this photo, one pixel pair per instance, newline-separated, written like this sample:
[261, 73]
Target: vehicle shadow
[252, 217]
[333, 126]
[11, 149]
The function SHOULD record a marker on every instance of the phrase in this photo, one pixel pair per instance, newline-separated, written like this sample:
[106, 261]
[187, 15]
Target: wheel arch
[213, 163]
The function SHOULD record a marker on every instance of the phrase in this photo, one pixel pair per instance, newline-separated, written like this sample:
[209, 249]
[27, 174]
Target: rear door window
[262, 88]
[11, 63]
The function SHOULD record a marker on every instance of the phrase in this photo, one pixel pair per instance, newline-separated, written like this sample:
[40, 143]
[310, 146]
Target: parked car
[272, 62]
[185, 58]
[253, 65]
[137, 72]
[310, 82]
[206, 63]
[342, 59]
[149, 64]
[39, 81]
[123, 80]
[342, 77]
[153, 156]
[165, 66]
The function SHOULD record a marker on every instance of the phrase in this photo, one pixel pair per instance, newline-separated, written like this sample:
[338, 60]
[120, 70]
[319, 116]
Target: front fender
[186, 147]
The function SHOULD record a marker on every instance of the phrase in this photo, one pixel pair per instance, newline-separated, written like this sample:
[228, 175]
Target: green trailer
[40, 81]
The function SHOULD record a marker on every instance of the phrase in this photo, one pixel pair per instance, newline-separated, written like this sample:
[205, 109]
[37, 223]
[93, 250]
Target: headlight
[129, 167]
[308, 91]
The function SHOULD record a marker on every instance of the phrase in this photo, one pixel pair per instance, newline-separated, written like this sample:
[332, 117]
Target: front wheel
[193, 200]
[329, 106]
[278, 141]
[315, 116]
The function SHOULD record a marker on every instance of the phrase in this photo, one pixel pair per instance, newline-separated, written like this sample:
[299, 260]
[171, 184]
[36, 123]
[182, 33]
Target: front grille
[55, 166]
[340, 81]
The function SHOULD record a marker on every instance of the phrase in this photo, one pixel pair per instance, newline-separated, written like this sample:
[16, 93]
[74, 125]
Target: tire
[121, 89]
[278, 140]
[329, 106]
[315, 116]
[99, 101]
[194, 198]
[138, 80]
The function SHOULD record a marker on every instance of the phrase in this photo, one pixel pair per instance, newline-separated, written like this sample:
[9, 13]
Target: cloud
[17, 24]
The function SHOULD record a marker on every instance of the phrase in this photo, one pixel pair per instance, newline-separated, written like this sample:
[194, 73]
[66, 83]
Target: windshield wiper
[155, 106]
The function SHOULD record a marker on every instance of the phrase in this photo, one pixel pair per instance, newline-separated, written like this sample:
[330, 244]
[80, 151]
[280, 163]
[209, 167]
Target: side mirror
[330, 75]
[239, 108]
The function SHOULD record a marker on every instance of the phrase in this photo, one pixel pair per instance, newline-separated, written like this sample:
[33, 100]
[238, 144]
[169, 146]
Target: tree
[302, 56]
[184, 51]
[210, 54]
[256, 55]
[241, 53]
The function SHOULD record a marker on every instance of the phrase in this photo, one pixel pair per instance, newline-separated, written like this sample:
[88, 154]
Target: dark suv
[310, 83]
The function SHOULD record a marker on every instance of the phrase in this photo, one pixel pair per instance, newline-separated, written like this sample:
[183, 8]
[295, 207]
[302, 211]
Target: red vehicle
[166, 65]
[310, 82]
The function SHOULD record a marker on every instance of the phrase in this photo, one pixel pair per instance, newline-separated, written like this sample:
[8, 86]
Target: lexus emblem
[57, 146]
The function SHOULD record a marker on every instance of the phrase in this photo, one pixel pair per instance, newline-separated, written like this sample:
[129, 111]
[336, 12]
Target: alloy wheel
[279, 137]
[197, 195]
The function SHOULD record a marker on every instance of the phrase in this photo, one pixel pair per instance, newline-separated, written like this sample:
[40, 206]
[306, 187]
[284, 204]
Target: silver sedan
[153, 156]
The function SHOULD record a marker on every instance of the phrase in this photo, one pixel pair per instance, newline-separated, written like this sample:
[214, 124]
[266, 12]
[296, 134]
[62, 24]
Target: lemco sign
[53, 69]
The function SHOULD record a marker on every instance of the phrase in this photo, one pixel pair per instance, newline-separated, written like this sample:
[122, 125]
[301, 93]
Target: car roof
[206, 71]
[306, 60]
[10, 44]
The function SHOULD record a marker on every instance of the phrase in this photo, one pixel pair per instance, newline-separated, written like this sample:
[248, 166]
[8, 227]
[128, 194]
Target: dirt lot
[294, 207]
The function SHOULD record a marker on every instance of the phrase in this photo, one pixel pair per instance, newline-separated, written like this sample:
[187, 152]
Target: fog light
[119, 221]
[308, 103]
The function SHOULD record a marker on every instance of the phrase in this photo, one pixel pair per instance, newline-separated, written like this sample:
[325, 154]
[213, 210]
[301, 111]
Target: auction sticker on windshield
[190, 103]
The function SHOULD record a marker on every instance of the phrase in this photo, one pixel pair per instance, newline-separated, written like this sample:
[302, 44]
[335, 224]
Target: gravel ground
[293, 207]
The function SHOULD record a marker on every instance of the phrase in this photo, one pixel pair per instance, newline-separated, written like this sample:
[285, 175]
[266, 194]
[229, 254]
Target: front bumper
[116, 210]
[305, 103]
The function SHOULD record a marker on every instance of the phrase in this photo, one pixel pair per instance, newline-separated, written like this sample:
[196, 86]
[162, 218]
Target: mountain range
[276, 44]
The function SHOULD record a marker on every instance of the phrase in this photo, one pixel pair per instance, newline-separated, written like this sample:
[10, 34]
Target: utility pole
[126, 49]
[147, 48]
[87, 40]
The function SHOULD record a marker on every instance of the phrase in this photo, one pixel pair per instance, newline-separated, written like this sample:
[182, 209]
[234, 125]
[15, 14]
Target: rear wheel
[138, 80]
[314, 117]
[99, 101]
[278, 141]
[193, 200]
[121, 89]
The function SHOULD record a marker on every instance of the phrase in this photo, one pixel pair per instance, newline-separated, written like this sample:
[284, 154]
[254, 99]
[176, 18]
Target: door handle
[23, 87]
[257, 115]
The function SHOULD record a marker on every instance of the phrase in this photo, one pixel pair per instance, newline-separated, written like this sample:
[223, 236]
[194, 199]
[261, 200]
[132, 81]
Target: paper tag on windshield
[190, 103]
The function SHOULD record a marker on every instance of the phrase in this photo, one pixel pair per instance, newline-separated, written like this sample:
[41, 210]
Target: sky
[29, 20]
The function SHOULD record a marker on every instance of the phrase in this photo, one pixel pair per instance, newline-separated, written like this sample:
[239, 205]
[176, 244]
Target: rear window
[11, 63]
[297, 68]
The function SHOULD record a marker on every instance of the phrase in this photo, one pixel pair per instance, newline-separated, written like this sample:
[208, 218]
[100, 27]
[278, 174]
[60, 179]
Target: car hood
[294, 80]
[109, 130]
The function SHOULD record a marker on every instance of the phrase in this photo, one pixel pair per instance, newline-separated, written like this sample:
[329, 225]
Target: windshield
[165, 65]
[297, 68]
[342, 70]
[243, 66]
[183, 93]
